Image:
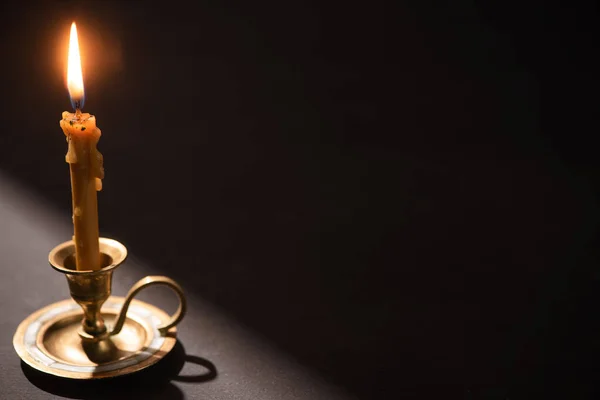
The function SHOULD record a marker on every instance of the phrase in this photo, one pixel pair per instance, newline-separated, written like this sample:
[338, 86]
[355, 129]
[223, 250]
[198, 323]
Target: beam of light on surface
[246, 362]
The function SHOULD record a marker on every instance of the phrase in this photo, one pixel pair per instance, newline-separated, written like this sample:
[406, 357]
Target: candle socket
[90, 289]
[98, 336]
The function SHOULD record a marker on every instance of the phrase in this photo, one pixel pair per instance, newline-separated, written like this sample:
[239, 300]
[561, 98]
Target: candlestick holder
[96, 335]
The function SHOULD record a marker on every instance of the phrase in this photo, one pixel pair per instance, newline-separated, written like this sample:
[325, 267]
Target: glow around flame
[74, 75]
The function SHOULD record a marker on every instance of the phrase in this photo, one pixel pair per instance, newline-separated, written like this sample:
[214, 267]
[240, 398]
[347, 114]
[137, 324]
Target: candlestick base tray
[97, 335]
[48, 340]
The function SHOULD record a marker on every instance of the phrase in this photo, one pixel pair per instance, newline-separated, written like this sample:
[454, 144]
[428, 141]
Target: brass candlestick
[98, 335]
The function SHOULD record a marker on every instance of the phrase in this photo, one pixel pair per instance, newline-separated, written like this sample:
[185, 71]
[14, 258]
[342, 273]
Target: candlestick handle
[143, 283]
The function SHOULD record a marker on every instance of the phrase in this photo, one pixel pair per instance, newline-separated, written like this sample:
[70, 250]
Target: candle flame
[74, 74]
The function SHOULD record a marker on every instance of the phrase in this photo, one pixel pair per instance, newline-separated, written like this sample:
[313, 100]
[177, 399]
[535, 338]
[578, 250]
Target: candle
[85, 164]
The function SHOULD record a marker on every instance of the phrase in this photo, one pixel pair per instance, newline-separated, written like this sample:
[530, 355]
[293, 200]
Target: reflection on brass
[78, 342]
[61, 341]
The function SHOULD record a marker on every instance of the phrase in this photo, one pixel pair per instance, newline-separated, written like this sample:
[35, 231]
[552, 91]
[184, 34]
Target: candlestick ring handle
[144, 283]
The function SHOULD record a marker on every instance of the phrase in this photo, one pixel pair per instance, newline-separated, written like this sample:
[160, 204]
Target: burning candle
[85, 163]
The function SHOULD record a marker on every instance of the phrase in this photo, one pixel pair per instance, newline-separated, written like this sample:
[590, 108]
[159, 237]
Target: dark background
[401, 196]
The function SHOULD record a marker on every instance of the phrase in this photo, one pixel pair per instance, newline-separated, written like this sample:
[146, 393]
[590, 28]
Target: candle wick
[78, 114]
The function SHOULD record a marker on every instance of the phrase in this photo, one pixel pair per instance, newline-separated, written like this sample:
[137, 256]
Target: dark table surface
[375, 199]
